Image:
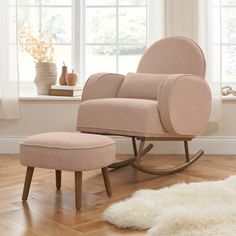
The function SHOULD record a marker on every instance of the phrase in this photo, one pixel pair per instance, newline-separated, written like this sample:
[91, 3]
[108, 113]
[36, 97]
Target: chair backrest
[173, 55]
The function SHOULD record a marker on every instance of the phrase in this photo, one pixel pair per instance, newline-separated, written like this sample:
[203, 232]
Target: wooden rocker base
[121, 164]
[136, 160]
[128, 162]
[169, 171]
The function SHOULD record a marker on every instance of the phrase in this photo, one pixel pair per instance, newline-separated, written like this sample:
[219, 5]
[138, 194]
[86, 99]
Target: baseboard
[10, 144]
[211, 145]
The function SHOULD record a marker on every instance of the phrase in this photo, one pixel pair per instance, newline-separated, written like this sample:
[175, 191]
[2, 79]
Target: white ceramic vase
[46, 75]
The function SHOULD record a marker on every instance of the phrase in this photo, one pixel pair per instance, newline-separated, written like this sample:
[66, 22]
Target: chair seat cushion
[121, 116]
[67, 151]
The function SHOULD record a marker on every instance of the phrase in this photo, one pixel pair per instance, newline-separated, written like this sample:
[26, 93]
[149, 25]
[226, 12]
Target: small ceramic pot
[72, 79]
[46, 75]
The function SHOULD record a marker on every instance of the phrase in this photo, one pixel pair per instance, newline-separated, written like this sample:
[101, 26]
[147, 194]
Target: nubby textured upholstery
[168, 105]
[67, 151]
[167, 99]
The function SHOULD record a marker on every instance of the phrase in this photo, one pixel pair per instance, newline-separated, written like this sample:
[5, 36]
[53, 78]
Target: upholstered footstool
[65, 151]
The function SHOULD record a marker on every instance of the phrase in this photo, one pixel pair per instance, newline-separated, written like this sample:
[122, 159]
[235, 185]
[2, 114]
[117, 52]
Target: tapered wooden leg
[134, 146]
[58, 179]
[186, 151]
[106, 181]
[78, 189]
[28, 178]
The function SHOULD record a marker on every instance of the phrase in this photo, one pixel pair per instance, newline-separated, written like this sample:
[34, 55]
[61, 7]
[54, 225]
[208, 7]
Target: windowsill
[229, 98]
[35, 97]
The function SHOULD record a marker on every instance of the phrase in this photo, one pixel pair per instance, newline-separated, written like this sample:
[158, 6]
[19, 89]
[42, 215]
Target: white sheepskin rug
[196, 209]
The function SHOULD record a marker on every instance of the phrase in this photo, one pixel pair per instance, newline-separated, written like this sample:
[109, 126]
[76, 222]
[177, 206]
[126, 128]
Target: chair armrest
[102, 85]
[184, 104]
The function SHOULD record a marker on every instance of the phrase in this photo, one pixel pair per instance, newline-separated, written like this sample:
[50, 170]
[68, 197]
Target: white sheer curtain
[201, 21]
[9, 89]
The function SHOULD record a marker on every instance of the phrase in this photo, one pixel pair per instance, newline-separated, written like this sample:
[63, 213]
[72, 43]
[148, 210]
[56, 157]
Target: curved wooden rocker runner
[142, 151]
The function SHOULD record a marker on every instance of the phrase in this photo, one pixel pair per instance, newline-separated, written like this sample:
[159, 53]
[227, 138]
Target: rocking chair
[166, 100]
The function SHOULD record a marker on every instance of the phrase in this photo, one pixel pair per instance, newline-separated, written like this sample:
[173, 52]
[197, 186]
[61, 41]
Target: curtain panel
[200, 20]
[9, 84]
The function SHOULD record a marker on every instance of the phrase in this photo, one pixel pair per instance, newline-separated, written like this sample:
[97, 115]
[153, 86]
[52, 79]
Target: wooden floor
[51, 212]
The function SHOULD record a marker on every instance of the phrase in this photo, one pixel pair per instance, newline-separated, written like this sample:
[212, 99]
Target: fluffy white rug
[196, 209]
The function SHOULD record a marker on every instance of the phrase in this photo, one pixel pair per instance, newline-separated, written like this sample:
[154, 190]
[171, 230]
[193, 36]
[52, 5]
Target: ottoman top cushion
[68, 140]
[67, 151]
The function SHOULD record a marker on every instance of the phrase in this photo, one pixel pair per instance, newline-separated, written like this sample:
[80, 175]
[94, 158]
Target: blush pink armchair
[167, 99]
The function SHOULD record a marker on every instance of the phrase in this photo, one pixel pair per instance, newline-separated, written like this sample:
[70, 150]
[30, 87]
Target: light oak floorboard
[49, 211]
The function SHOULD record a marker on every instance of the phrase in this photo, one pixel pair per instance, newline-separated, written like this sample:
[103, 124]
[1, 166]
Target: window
[89, 35]
[115, 33]
[228, 11]
[54, 19]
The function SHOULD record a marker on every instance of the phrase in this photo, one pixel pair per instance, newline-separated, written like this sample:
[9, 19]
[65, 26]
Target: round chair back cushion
[173, 55]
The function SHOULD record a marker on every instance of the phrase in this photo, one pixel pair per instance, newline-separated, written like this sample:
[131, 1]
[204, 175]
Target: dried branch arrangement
[38, 47]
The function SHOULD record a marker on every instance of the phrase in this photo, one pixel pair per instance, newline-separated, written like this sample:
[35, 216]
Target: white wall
[41, 116]
[226, 127]
[47, 116]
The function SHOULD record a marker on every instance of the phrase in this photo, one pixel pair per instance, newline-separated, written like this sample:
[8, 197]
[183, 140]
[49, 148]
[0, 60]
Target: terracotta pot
[46, 75]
